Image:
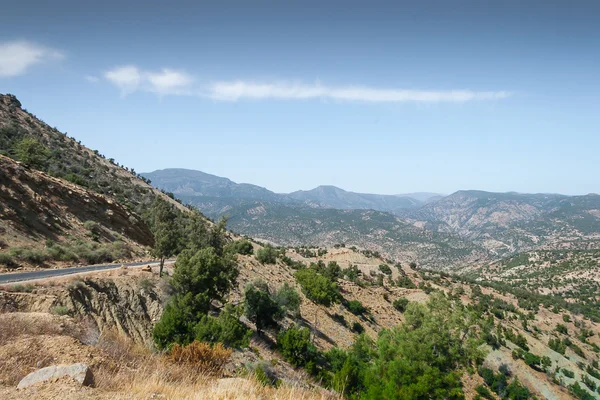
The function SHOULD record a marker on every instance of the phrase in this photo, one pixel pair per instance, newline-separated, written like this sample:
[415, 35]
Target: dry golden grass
[230, 389]
[13, 325]
[17, 361]
[187, 372]
[200, 356]
[133, 368]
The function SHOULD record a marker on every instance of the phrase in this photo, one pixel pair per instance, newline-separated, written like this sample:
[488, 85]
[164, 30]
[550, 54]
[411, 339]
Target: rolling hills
[487, 225]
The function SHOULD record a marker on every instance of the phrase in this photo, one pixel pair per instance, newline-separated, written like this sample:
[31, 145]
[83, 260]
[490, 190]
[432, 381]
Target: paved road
[48, 273]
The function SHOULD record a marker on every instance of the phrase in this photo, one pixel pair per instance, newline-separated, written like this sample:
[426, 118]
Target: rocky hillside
[571, 277]
[127, 302]
[37, 209]
[292, 225]
[57, 191]
[507, 223]
[26, 138]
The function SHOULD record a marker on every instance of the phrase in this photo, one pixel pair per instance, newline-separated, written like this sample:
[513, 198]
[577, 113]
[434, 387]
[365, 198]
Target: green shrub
[59, 253]
[356, 307]
[484, 392]
[415, 361]
[385, 269]
[562, 329]
[333, 271]
[267, 255]
[532, 360]
[517, 339]
[176, 325]
[317, 287]
[357, 328]
[568, 373]
[243, 247]
[517, 391]
[34, 256]
[577, 350]
[351, 273]
[518, 353]
[580, 392]
[401, 304]
[263, 372]
[200, 276]
[405, 282]
[589, 382]
[557, 345]
[60, 310]
[226, 329]
[288, 299]
[260, 307]
[22, 288]
[6, 259]
[296, 347]
[147, 284]
[593, 372]
[32, 153]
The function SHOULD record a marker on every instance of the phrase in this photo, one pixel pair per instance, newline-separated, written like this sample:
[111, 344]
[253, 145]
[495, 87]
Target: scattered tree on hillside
[422, 357]
[267, 255]
[288, 299]
[260, 307]
[198, 279]
[165, 229]
[32, 153]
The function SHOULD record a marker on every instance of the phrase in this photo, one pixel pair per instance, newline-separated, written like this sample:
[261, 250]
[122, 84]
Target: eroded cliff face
[126, 304]
[35, 206]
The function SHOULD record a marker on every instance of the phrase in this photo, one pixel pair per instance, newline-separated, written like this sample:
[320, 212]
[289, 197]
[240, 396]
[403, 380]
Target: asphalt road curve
[50, 273]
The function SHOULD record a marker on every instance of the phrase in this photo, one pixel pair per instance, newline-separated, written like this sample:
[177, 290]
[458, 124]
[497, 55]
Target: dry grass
[122, 368]
[130, 365]
[17, 361]
[201, 356]
[13, 325]
[230, 389]
[187, 372]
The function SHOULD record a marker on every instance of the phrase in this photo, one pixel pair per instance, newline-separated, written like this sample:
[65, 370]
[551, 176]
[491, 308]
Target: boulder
[147, 268]
[81, 373]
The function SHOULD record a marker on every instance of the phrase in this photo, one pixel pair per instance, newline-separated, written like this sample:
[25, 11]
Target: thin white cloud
[239, 90]
[17, 57]
[169, 81]
[130, 79]
[127, 78]
[91, 79]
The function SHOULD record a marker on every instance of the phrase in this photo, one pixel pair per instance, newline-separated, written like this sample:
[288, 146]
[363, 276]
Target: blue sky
[380, 97]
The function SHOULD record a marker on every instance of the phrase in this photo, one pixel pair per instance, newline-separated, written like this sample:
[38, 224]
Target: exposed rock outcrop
[125, 304]
[79, 372]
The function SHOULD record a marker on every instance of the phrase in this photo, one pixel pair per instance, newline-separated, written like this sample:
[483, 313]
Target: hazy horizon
[387, 98]
[429, 192]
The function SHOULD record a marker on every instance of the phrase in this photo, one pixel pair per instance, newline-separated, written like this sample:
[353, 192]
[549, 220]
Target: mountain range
[474, 224]
[197, 183]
